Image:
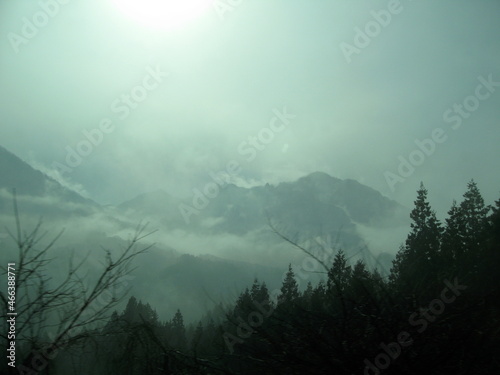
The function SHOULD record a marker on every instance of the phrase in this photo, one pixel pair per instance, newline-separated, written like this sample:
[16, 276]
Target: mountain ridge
[314, 205]
[232, 235]
[28, 181]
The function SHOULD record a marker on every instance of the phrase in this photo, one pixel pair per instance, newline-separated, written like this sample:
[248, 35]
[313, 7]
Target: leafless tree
[58, 314]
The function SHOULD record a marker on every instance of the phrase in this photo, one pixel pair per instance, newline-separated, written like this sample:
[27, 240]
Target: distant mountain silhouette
[39, 193]
[315, 205]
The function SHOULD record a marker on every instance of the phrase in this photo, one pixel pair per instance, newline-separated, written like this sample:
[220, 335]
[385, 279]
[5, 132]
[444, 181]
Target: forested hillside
[437, 312]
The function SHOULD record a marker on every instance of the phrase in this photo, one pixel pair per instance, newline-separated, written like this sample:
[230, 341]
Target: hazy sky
[202, 89]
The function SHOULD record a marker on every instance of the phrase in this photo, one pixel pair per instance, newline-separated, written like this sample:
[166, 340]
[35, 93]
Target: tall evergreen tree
[178, 332]
[289, 289]
[197, 337]
[475, 222]
[426, 230]
[360, 278]
[339, 274]
[494, 223]
[147, 314]
[417, 263]
[307, 296]
[131, 313]
[453, 236]
[318, 297]
[490, 254]
[255, 288]
[243, 304]
[259, 292]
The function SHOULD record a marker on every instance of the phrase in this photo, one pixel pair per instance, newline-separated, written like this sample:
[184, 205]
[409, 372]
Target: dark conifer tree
[197, 338]
[307, 296]
[339, 274]
[243, 304]
[453, 243]
[360, 279]
[474, 218]
[289, 289]
[131, 313]
[178, 332]
[416, 266]
[318, 297]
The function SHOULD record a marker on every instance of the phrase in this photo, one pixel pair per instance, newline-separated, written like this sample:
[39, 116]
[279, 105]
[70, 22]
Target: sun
[163, 14]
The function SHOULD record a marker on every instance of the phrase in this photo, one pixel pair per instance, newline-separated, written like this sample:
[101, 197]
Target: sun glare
[163, 14]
